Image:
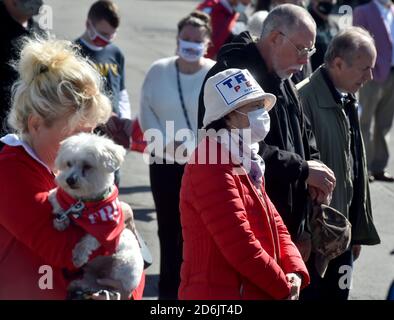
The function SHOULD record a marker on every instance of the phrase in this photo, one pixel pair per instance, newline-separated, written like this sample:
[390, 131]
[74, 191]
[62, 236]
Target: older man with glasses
[291, 158]
[329, 101]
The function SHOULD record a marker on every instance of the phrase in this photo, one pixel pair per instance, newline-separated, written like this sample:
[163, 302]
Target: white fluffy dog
[86, 195]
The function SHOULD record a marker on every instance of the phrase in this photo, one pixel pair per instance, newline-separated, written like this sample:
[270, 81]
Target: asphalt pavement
[147, 33]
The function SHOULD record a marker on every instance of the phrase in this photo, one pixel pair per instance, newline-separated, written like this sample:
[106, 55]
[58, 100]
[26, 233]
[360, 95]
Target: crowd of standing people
[284, 106]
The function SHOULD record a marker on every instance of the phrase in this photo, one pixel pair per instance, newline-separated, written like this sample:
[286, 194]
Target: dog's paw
[61, 224]
[80, 255]
[80, 260]
[84, 249]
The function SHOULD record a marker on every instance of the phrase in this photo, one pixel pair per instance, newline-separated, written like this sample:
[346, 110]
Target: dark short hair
[218, 124]
[105, 10]
[197, 19]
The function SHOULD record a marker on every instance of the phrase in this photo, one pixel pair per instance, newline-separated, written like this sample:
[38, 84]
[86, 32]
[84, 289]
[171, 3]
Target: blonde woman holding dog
[58, 94]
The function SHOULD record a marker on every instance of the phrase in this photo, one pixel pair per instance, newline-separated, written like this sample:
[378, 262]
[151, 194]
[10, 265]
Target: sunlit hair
[348, 43]
[286, 18]
[55, 81]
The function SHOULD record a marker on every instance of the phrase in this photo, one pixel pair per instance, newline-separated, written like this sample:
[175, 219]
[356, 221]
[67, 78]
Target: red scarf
[103, 219]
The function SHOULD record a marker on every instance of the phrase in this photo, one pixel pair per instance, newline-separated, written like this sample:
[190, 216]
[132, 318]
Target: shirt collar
[338, 96]
[14, 140]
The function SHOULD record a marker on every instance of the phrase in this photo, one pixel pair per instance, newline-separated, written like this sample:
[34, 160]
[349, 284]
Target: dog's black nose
[71, 180]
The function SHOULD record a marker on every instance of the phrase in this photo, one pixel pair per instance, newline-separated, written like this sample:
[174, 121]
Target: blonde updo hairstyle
[55, 81]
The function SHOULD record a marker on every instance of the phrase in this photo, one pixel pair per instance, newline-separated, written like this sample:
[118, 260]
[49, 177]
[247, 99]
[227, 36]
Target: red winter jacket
[222, 21]
[235, 243]
[28, 240]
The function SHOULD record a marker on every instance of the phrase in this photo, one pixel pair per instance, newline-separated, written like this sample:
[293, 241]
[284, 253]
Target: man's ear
[275, 37]
[338, 63]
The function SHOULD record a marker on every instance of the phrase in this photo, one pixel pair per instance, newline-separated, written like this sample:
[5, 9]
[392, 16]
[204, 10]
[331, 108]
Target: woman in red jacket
[235, 243]
[57, 95]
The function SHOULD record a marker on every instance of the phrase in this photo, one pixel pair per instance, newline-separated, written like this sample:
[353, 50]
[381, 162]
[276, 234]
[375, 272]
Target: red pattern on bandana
[102, 219]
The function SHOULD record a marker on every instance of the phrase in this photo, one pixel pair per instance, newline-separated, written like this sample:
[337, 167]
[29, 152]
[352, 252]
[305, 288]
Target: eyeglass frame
[309, 52]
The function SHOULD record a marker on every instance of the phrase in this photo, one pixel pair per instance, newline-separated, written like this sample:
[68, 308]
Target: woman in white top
[169, 98]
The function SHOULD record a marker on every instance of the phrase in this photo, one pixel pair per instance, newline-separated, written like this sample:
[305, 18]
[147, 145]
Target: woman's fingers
[115, 285]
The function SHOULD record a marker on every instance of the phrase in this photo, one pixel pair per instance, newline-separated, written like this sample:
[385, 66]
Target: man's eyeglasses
[308, 52]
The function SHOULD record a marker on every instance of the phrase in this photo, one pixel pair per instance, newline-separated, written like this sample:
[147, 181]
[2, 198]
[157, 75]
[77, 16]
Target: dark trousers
[336, 282]
[165, 180]
[390, 295]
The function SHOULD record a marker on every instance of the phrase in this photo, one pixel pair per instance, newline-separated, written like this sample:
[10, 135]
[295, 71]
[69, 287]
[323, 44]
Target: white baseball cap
[229, 90]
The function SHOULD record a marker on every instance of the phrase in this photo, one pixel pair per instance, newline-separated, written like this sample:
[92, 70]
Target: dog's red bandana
[103, 219]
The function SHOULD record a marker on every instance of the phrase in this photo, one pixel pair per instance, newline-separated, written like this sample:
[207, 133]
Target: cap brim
[321, 264]
[269, 102]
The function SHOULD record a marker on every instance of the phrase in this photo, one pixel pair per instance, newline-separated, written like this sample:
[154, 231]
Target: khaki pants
[377, 101]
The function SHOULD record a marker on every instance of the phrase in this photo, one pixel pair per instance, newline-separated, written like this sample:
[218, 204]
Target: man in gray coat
[329, 103]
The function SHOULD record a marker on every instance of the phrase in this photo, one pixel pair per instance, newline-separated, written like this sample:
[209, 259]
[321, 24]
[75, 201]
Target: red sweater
[28, 239]
[236, 245]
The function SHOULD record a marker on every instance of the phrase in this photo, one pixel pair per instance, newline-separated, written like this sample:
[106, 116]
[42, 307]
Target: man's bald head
[288, 18]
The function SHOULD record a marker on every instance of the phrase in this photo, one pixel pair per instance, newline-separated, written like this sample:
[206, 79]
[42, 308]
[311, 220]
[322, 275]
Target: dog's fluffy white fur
[86, 164]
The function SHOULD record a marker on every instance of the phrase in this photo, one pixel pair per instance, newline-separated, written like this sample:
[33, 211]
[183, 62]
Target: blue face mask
[240, 8]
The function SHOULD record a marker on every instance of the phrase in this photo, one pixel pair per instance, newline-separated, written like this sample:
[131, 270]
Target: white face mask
[190, 51]
[259, 124]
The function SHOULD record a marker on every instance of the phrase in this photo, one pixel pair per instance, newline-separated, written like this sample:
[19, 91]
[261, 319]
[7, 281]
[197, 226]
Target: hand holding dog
[114, 285]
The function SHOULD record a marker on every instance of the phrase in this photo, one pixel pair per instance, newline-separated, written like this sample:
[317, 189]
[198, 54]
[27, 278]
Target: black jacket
[290, 141]
[11, 34]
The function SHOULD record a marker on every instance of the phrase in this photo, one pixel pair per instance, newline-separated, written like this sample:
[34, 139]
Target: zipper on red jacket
[266, 213]
[276, 227]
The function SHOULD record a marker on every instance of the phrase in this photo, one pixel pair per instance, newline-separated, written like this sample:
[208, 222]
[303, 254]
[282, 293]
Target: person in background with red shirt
[235, 244]
[58, 94]
[224, 15]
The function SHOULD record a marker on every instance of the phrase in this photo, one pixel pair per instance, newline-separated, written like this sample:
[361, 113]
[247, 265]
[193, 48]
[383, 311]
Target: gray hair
[286, 17]
[347, 43]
